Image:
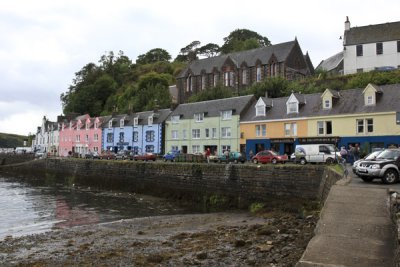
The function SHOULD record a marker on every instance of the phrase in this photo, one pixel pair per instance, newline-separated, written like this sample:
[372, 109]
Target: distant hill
[11, 140]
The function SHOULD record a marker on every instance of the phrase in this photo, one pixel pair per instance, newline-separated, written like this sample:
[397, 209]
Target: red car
[267, 156]
[145, 157]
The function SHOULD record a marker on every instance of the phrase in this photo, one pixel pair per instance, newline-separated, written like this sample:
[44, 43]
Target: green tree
[217, 92]
[208, 50]
[188, 53]
[243, 39]
[153, 56]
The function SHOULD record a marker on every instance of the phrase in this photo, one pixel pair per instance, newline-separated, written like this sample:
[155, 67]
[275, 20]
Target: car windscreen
[389, 154]
[373, 155]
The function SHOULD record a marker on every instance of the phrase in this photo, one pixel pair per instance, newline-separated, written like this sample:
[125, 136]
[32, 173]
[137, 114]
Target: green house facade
[194, 127]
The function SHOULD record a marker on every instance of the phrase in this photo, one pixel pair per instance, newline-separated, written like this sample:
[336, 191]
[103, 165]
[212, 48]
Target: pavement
[355, 227]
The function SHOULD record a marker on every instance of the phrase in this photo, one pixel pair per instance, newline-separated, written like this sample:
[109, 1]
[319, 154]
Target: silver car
[370, 156]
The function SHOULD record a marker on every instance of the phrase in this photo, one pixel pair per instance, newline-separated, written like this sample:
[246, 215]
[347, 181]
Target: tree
[188, 53]
[153, 56]
[208, 50]
[217, 92]
[243, 39]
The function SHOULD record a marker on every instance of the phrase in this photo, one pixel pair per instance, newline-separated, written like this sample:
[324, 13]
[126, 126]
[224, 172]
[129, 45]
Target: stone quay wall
[244, 183]
[10, 158]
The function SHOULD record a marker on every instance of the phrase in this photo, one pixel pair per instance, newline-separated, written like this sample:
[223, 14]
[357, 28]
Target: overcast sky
[44, 42]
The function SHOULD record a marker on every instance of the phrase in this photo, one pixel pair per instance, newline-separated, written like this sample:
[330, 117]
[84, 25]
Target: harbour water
[31, 207]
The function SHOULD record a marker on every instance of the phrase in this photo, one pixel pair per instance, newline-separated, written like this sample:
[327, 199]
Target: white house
[371, 47]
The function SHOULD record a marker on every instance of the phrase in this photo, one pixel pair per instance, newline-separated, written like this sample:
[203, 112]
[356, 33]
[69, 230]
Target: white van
[325, 153]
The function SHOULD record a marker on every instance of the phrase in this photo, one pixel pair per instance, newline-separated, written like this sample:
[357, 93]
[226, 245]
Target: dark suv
[385, 166]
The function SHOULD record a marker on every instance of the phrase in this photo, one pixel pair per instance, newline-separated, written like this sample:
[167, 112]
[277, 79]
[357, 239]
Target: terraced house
[366, 116]
[241, 69]
[195, 127]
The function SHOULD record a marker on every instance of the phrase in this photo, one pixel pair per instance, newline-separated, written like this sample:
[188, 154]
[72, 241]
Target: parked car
[317, 153]
[231, 157]
[107, 155]
[92, 155]
[269, 156]
[385, 167]
[145, 157]
[171, 155]
[122, 154]
[370, 156]
[40, 154]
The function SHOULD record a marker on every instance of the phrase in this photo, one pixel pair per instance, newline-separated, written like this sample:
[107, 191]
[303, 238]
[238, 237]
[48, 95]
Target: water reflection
[32, 207]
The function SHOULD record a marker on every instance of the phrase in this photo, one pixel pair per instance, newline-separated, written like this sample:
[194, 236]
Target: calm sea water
[28, 208]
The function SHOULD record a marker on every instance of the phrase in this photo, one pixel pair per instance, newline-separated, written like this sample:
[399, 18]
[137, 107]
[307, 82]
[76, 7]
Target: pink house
[80, 135]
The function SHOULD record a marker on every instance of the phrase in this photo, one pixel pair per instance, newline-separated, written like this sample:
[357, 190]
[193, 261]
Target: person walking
[251, 154]
[343, 153]
[356, 152]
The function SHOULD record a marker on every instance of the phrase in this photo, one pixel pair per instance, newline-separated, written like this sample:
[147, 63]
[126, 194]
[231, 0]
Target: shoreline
[224, 239]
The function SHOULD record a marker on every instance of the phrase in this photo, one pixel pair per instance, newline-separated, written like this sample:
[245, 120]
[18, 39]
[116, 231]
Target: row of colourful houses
[368, 116]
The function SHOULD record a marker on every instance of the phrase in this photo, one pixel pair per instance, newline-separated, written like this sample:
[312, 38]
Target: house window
[260, 110]
[227, 114]
[226, 132]
[370, 125]
[226, 78]
[232, 78]
[174, 148]
[215, 79]
[195, 149]
[360, 70]
[214, 133]
[292, 107]
[149, 149]
[258, 74]
[175, 119]
[135, 121]
[203, 82]
[135, 136]
[95, 137]
[226, 148]
[184, 134]
[110, 137]
[78, 138]
[398, 46]
[370, 100]
[189, 84]
[195, 133]
[87, 126]
[149, 136]
[150, 120]
[96, 125]
[360, 126]
[379, 48]
[244, 76]
[110, 124]
[261, 130]
[199, 117]
[121, 137]
[207, 132]
[359, 50]
[87, 138]
[324, 127]
[327, 104]
[121, 123]
[174, 134]
[291, 129]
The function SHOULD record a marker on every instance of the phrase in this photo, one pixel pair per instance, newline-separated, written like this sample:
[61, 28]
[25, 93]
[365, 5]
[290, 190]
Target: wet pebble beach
[215, 239]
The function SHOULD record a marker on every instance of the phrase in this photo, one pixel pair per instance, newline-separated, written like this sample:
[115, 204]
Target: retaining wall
[6, 159]
[243, 183]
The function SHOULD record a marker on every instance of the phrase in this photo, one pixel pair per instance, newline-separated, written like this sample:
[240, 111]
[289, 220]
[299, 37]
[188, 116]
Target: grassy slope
[11, 140]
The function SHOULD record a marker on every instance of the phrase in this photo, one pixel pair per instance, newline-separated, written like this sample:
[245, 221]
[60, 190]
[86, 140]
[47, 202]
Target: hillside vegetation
[11, 140]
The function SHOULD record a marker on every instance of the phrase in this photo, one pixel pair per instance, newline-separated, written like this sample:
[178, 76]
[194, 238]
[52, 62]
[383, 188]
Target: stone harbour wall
[6, 159]
[243, 183]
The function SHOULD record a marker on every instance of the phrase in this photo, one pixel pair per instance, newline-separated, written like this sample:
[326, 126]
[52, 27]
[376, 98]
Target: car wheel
[274, 161]
[329, 161]
[164, 159]
[390, 176]
[235, 161]
[255, 161]
[303, 161]
[367, 179]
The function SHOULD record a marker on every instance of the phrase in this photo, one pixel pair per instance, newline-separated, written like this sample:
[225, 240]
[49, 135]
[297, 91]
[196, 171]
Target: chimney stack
[347, 24]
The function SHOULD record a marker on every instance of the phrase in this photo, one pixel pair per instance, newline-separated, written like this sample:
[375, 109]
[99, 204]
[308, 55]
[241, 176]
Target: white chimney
[347, 24]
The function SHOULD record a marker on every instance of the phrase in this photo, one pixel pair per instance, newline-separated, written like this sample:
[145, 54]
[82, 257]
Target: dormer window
[150, 120]
[292, 107]
[96, 125]
[87, 125]
[370, 100]
[226, 114]
[327, 104]
[175, 119]
[110, 124]
[199, 117]
[135, 121]
[260, 108]
[121, 123]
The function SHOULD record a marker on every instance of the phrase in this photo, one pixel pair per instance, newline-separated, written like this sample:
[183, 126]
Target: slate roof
[331, 62]
[349, 102]
[373, 33]
[281, 52]
[213, 108]
[159, 117]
